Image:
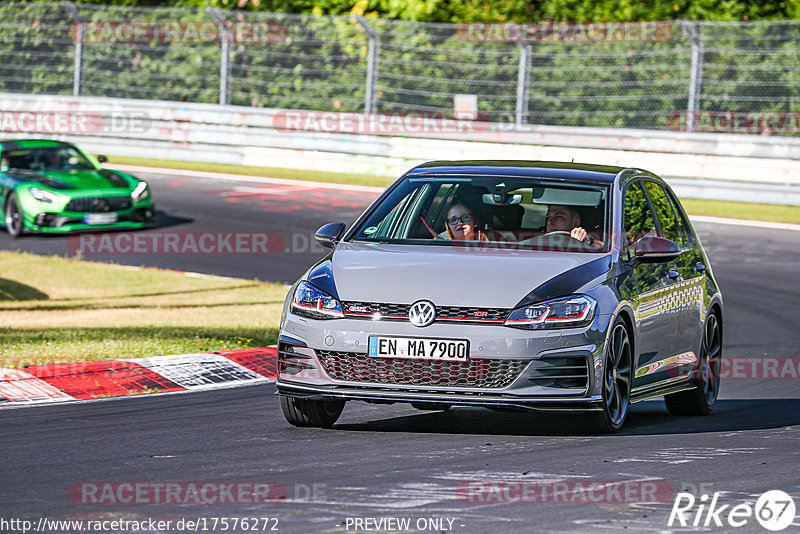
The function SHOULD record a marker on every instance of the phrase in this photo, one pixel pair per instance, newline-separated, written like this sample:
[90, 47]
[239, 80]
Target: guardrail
[738, 167]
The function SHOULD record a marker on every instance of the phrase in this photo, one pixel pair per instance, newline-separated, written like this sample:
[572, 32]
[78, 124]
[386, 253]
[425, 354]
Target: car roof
[16, 144]
[579, 172]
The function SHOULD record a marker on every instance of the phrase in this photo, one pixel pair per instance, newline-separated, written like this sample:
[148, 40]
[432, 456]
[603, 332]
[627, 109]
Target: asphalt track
[288, 214]
[393, 461]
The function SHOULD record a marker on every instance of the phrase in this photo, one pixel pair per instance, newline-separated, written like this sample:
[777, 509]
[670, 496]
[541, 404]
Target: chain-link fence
[655, 75]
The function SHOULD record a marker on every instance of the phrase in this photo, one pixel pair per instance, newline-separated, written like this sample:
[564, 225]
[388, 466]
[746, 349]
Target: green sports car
[54, 187]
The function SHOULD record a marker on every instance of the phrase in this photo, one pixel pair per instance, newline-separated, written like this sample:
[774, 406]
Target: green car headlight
[42, 196]
[140, 192]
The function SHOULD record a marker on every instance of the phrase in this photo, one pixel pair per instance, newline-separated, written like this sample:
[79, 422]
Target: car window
[685, 229]
[386, 226]
[670, 228]
[639, 220]
[502, 212]
[47, 159]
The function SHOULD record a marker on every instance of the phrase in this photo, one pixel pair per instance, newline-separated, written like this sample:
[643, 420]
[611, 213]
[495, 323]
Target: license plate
[419, 348]
[100, 218]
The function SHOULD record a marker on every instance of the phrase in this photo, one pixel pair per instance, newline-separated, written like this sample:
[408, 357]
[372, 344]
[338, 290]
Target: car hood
[453, 276]
[65, 180]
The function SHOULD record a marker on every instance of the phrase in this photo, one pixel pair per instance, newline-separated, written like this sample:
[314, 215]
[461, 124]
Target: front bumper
[142, 216]
[554, 370]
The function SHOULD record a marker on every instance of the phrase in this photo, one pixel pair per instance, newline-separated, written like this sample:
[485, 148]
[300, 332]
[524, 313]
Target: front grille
[474, 314]
[386, 311]
[560, 372]
[98, 204]
[475, 373]
[399, 312]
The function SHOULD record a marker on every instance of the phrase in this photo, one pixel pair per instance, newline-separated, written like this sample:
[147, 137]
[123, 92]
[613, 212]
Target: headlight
[309, 301]
[569, 312]
[139, 192]
[42, 196]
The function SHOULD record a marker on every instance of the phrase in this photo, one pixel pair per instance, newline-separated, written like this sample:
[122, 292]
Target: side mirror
[652, 249]
[102, 159]
[330, 234]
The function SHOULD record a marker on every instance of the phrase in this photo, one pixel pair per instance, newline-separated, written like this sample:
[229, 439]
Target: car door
[650, 290]
[691, 297]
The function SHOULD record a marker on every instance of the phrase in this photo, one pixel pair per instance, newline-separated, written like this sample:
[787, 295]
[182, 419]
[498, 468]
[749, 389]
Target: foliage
[317, 62]
[457, 11]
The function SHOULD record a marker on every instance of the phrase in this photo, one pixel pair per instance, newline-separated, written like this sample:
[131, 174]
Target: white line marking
[182, 273]
[745, 222]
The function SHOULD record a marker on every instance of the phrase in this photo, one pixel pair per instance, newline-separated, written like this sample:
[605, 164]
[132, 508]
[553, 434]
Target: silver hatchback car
[509, 285]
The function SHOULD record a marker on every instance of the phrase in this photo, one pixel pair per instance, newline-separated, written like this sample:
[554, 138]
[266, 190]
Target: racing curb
[60, 382]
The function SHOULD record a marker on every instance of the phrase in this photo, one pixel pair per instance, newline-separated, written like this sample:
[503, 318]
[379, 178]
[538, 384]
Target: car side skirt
[665, 387]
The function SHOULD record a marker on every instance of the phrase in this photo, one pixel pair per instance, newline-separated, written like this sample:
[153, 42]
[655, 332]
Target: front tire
[616, 391]
[13, 216]
[700, 401]
[311, 413]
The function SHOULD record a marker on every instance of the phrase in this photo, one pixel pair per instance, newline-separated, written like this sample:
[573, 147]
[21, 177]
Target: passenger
[567, 219]
[462, 224]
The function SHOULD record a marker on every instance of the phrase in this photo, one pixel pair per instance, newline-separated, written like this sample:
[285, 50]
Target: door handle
[699, 267]
[672, 274]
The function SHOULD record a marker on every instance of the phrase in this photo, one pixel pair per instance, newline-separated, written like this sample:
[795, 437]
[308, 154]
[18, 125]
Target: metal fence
[561, 78]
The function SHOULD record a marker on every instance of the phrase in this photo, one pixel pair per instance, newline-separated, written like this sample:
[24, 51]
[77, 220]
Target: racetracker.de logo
[384, 124]
[207, 492]
[74, 122]
[740, 367]
[748, 122]
[176, 31]
[565, 491]
[760, 368]
[567, 32]
[176, 243]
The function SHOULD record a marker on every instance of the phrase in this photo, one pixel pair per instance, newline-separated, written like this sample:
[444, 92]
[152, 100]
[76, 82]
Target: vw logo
[422, 313]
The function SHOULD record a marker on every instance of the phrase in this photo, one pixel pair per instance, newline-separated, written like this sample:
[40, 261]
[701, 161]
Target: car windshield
[520, 213]
[62, 158]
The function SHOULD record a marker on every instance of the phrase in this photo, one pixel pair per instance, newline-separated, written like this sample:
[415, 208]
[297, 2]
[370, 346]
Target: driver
[567, 219]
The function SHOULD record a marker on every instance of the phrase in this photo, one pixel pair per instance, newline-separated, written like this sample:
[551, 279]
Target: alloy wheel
[710, 359]
[617, 382]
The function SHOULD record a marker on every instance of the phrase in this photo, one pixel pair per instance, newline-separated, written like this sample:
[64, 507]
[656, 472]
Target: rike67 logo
[774, 510]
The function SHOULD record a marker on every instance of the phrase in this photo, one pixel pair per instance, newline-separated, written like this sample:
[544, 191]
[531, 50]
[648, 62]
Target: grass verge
[713, 208]
[60, 310]
[743, 210]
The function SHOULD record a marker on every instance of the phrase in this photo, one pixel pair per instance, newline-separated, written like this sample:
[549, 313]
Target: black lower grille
[98, 204]
[475, 373]
[560, 372]
[291, 362]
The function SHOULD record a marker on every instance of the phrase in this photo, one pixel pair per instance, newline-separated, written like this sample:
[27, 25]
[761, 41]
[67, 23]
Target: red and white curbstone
[61, 382]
